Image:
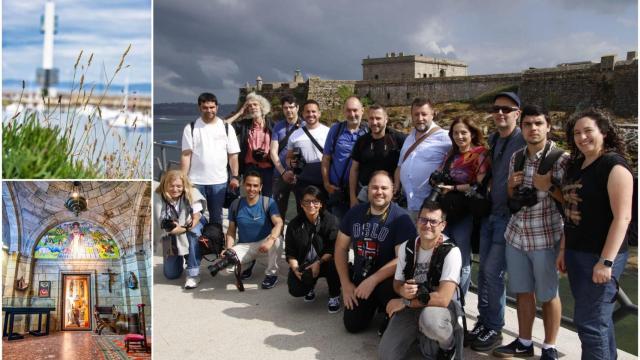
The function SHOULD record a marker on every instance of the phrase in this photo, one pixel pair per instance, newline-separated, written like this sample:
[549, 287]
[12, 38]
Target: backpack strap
[409, 257]
[551, 157]
[518, 164]
[233, 209]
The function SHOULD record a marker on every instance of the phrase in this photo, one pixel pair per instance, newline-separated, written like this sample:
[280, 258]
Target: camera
[367, 266]
[438, 178]
[423, 293]
[298, 163]
[522, 196]
[259, 155]
[168, 225]
[307, 274]
[229, 258]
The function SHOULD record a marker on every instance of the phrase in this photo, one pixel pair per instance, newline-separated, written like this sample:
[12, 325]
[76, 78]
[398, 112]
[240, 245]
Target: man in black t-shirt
[377, 150]
[375, 229]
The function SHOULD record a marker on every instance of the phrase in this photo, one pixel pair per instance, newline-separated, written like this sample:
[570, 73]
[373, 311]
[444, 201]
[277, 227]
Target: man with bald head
[336, 160]
[374, 230]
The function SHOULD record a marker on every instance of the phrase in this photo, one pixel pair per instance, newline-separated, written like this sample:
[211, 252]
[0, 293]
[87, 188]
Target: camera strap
[313, 140]
[289, 130]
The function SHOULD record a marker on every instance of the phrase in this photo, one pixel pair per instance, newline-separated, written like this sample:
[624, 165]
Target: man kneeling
[259, 225]
[427, 279]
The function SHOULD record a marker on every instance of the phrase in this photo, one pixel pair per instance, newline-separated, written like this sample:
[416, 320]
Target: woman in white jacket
[178, 209]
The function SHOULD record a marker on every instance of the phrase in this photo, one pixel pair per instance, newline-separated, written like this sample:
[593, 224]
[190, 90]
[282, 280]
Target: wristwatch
[605, 262]
[406, 302]
[235, 177]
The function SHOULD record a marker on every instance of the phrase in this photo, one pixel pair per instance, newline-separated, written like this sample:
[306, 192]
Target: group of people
[538, 210]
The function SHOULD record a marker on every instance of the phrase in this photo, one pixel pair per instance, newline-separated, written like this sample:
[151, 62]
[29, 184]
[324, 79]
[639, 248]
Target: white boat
[130, 119]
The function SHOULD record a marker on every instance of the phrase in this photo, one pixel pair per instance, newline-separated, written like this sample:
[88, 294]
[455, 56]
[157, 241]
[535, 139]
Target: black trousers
[358, 318]
[327, 270]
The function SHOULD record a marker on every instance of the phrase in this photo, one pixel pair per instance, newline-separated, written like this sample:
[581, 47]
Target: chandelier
[76, 203]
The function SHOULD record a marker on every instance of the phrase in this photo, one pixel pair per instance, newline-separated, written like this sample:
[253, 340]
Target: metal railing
[161, 163]
[625, 306]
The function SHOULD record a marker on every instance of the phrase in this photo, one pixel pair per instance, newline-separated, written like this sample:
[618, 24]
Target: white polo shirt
[209, 147]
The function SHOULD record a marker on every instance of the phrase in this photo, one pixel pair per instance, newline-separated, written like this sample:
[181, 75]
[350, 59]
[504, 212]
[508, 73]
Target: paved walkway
[217, 321]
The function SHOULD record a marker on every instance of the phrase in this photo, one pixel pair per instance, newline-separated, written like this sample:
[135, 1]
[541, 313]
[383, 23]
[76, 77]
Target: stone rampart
[399, 93]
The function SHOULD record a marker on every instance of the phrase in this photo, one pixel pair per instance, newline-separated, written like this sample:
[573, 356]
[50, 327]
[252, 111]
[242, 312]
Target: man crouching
[259, 225]
[426, 279]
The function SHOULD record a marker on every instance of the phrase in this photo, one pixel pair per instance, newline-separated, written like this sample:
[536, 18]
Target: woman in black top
[310, 241]
[598, 190]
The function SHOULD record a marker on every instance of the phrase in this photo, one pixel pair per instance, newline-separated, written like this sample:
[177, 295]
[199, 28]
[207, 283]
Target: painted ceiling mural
[77, 240]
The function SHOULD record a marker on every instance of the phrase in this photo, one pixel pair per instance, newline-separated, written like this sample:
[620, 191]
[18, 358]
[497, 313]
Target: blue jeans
[460, 232]
[593, 308]
[174, 265]
[491, 289]
[214, 194]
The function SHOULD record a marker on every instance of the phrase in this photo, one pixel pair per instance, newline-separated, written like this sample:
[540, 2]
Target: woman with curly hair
[467, 164]
[598, 190]
[177, 210]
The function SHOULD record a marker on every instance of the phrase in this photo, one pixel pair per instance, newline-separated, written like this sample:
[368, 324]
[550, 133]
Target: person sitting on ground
[427, 310]
[259, 228]
[177, 209]
[309, 247]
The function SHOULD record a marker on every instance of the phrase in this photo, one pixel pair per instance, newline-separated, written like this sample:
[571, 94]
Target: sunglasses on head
[505, 109]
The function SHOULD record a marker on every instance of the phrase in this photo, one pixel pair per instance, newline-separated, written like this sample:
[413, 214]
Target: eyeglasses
[505, 109]
[309, 202]
[427, 221]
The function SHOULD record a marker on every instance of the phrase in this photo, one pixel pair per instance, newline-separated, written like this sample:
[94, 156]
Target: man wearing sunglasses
[487, 332]
[431, 315]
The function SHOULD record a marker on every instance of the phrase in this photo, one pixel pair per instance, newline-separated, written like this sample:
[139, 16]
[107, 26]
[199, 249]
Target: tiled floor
[61, 345]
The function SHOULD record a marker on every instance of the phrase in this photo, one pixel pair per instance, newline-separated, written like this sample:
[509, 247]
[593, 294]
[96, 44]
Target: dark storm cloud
[220, 45]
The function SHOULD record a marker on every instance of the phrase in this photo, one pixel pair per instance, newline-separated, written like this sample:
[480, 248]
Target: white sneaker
[192, 282]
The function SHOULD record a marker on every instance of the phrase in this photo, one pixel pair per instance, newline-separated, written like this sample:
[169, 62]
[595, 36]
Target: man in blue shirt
[487, 332]
[374, 230]
[259, 229]
[283, 177]
[336, 159]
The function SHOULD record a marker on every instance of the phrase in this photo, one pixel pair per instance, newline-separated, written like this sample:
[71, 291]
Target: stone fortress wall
[611, 84]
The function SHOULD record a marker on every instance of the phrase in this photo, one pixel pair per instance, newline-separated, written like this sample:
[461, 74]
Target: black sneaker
[549, 354]
[446, 354]
[487, 340]
[310, 297]
[383, 325]
[470, 336]
[269, 281]
[514, 349]
[248, 272]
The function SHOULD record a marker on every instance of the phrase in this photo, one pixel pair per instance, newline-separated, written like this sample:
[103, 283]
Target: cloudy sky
[219, 45]
[102, 27]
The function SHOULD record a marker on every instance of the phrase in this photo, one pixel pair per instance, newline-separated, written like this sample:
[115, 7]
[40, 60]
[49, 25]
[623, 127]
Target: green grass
[32, 151]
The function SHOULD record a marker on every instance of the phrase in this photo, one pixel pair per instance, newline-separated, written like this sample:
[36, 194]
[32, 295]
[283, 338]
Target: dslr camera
[229, 258]
[522, 196]
[298, 163]
[423, 293]
[259, 155]
[438, 178]
[168, 224]
[367, 266]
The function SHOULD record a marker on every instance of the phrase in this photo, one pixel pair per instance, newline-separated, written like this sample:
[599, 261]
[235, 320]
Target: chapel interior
[76, 268]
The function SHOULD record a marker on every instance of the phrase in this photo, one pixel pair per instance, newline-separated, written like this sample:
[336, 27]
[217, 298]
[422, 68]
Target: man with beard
[336, 160]
[422, 153]
[304, 150]
[283, 176]
[533, 234]
[254, 137]
[376, 229]
[491, 292]
[207, 145]
[377, 150]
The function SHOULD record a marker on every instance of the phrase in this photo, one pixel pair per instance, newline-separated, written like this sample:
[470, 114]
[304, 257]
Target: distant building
[404, 67]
